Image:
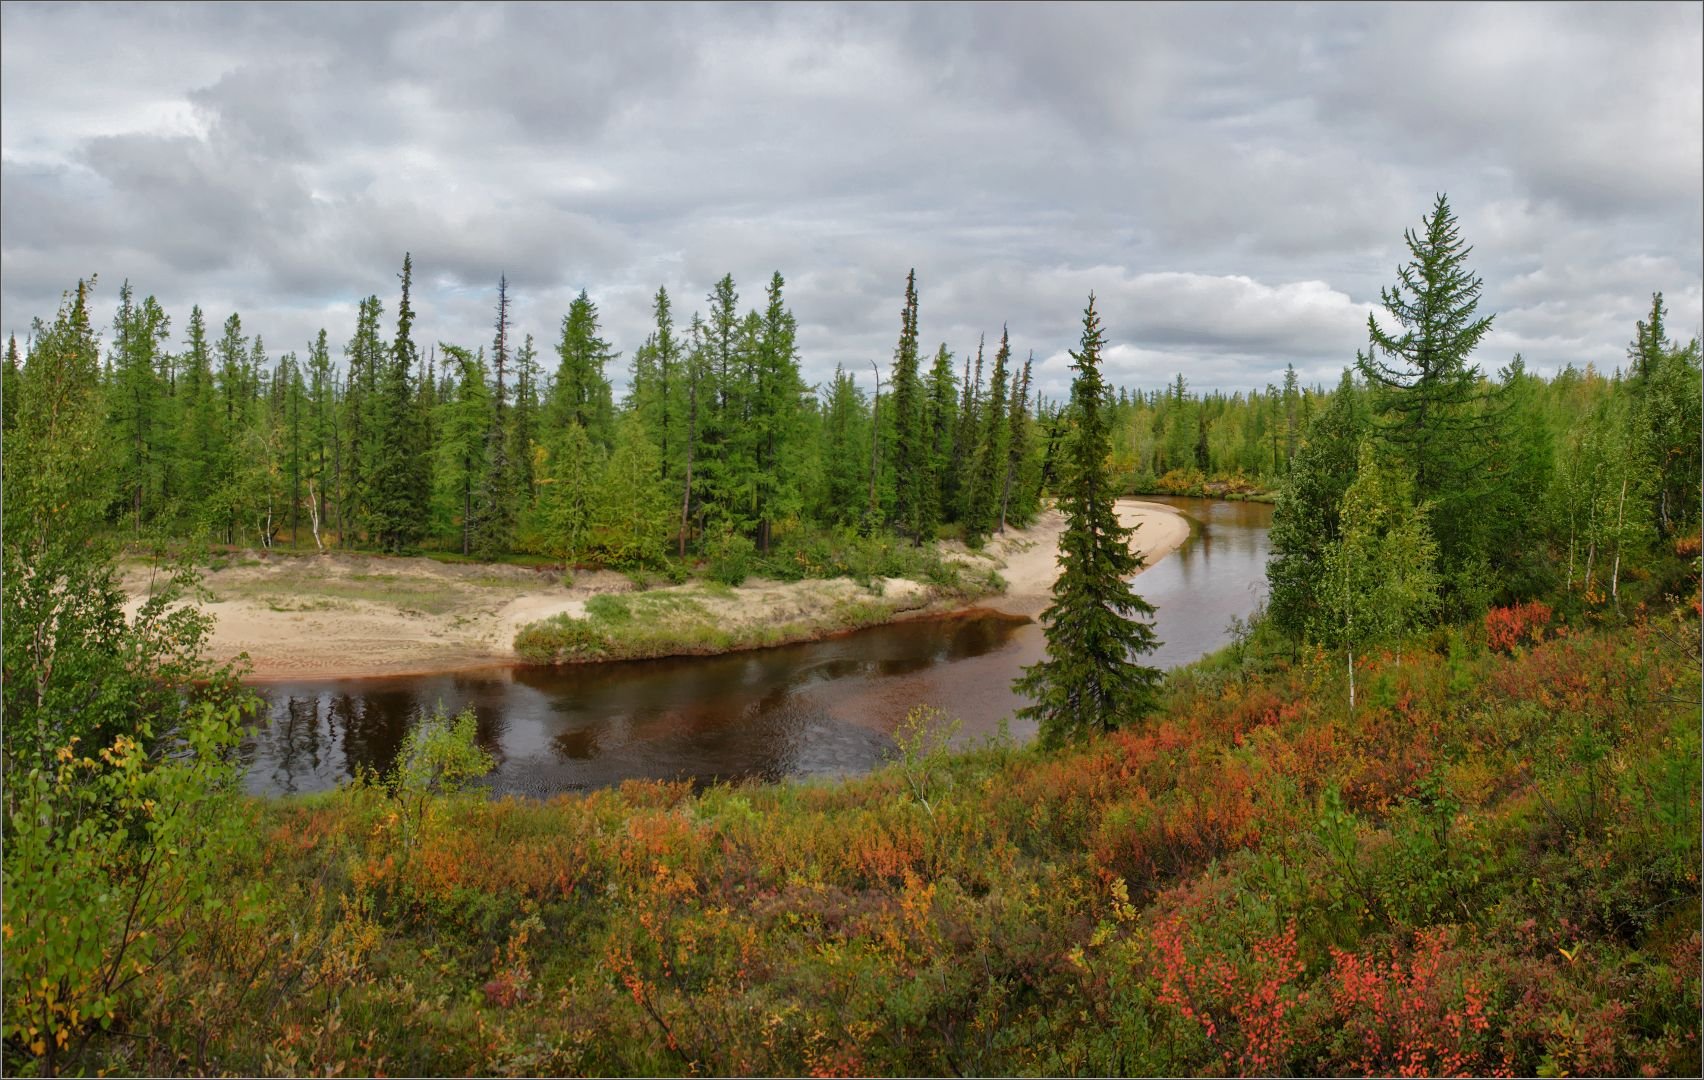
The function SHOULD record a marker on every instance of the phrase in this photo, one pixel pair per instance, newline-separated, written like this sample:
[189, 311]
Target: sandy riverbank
[330, 616]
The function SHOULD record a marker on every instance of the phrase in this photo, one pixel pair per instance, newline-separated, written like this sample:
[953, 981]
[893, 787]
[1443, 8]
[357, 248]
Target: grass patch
[686, 622]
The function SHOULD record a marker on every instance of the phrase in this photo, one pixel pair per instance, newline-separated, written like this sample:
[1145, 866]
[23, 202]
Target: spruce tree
[1306, 520]
[198, 459]
[988, 464]
[911, 453]
[1090, 681]
[1017, 443]
[723, 463]
[940, 424]
[845, 435]
[399, 483]
[774, 415]
[581, 393]
[365, 357]
[1428, 397]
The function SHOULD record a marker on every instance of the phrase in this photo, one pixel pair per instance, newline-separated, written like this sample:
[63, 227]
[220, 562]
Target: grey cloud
[1233, 181]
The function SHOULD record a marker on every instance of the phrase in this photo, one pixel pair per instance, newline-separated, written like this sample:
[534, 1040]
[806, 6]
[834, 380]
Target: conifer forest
[1429, 805]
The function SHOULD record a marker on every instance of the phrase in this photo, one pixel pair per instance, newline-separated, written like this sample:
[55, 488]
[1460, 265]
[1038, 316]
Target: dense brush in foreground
[1491, 867]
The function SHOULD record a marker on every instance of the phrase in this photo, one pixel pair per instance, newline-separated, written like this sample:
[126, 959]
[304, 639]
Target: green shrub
[609, 608]
[439, 756]
[560, 638]
[731, 558]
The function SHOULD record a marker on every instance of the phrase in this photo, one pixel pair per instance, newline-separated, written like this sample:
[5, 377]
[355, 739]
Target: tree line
[482, 449]
[1424, 491]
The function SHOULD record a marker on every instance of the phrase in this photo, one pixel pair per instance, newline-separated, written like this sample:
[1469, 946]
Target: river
[826, 708]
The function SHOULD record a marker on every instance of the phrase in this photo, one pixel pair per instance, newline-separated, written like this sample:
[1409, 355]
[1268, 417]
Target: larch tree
[324, 433]
[464, 423]
[140, 331]
[655, 385]
[494, 510]
[723, 480]
[522, 433]
[1097, 626]
[632, 506]
[697, 393]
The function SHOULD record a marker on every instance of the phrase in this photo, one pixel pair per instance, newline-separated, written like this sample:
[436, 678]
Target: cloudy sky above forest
[1233, 182]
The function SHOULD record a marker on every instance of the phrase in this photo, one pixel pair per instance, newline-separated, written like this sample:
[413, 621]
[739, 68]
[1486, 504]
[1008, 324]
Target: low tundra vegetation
[1490, 867]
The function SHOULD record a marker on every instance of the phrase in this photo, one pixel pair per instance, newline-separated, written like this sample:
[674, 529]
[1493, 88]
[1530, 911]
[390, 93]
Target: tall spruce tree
[911, 453]
[1017, 443]
[198, 415]
[773, 419]
[1090, 681]
[845, 435]
[581, 393]
[724, 470]
[399, 484]
[940, 425]
[1429, 399]
[988, 464]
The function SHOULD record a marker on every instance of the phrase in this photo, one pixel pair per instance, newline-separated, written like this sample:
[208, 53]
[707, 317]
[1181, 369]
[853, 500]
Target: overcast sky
[1233, 181]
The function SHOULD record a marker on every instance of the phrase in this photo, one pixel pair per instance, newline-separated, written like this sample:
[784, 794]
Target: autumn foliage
[1492, 868]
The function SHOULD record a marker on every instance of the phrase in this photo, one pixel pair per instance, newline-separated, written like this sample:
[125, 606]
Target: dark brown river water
[822, 709]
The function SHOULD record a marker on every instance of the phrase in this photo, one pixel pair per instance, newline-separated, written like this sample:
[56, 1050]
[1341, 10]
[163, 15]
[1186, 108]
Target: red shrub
[1507, 627]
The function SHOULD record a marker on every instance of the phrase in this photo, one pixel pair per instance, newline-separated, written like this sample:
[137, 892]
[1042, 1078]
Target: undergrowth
[1490, 867]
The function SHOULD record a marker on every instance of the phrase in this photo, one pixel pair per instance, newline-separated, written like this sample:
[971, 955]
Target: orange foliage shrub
[1508, 627]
